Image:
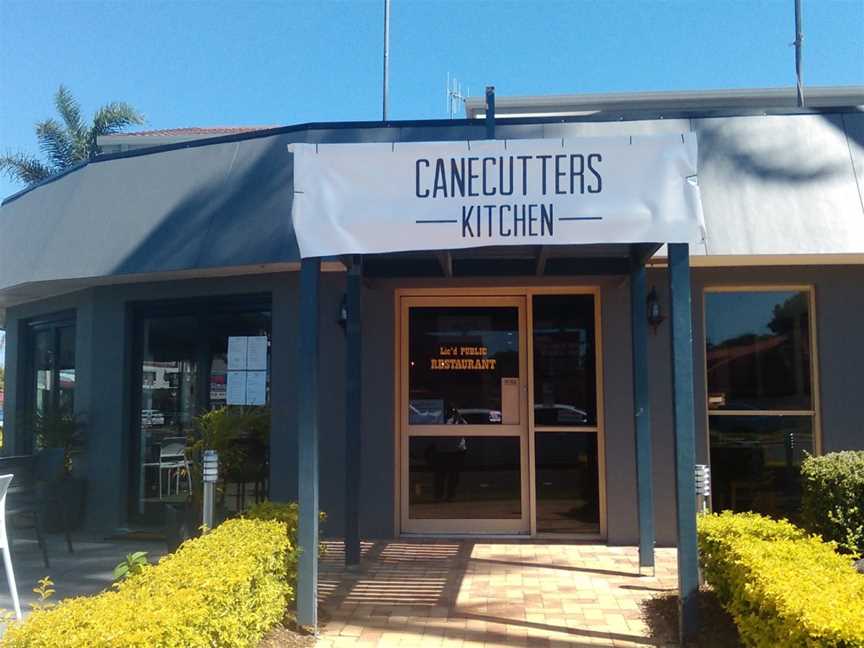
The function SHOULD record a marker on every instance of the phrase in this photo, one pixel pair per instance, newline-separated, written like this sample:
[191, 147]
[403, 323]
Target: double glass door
[476, 458]
[465, 415]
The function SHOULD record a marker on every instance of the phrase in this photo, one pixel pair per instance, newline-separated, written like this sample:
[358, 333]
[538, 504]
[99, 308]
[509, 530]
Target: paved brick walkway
[508, 593]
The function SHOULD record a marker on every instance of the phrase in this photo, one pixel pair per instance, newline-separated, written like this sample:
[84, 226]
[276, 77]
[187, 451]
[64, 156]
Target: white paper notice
[256, 387]
[256, 359]
[237, 353]
[236, 392]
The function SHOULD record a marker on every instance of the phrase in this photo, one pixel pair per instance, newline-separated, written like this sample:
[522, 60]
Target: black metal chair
[36, 489]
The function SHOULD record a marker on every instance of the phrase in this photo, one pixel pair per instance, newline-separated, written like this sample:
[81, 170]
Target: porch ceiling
[499, 261]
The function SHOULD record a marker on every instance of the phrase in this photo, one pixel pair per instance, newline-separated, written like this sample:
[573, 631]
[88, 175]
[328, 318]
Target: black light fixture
[343, 313]
[653, 310]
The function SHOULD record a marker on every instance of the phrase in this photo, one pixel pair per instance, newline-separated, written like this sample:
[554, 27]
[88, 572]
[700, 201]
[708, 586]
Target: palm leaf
[24, 168]
[112, 118]
[56, 143]
[70, 111]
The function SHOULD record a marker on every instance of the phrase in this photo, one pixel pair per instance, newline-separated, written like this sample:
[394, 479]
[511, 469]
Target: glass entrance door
[464, 415]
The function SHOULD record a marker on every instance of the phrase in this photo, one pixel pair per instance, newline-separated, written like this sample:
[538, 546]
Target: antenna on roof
[455, 98]
[799, 41]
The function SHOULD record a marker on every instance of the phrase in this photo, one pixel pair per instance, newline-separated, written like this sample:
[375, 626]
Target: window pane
[758, 350]
[183, 375]
[461, 362]
[66, 369]
[568, 482]
[564, 365]
[169, 404]
[756, 461]
[464, 478]
[42, 369]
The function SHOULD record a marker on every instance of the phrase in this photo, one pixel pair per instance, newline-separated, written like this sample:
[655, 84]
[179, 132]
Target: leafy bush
[219, 430]
[226, 588]
[782, 587]
[286, 513]
[833, 498]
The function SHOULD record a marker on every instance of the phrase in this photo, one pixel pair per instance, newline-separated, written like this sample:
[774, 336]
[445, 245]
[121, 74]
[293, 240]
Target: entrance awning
[468, 208]
[388, 197]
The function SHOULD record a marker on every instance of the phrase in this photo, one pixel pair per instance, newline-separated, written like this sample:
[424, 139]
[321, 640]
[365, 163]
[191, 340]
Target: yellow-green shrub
[832, 502]
[287, 513]
[782, 587]
[226, 588]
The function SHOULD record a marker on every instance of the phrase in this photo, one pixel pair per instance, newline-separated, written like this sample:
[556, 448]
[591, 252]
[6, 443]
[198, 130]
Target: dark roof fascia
[616, 116]
[48, 180]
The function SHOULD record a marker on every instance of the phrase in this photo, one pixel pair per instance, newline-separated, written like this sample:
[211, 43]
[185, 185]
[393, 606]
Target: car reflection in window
[559, 414]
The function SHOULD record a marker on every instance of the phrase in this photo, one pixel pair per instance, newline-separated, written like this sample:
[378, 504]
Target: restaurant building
[529, 322]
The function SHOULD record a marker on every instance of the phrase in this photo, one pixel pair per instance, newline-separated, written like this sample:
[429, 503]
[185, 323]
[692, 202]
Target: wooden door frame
[475, 293]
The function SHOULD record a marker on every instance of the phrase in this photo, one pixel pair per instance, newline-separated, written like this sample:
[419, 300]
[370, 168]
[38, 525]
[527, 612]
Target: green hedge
[833, 498]
[782, 587]
[226, 588]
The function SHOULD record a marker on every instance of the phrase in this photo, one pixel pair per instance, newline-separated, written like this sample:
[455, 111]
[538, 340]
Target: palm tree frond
[70, 111]
[23, 168]
[68, 140]
[56, 143]
[114, 117]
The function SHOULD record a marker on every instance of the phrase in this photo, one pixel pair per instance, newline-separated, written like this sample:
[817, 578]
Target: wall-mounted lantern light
[653, 310]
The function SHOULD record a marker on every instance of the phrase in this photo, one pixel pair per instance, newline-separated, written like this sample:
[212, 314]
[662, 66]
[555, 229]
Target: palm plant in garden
[69, 140]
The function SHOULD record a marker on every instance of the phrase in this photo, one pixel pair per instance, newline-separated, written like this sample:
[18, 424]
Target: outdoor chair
[38, 487]
[172, 459]
[4, 545]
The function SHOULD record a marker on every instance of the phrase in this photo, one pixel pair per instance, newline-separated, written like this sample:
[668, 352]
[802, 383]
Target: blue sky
[227, 63]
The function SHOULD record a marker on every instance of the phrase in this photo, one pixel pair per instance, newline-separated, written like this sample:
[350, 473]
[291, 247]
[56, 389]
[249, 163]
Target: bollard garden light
[703, 486]
[210, 470]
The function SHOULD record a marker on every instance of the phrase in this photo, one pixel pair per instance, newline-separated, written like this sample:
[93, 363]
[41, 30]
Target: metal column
[490, 112]
[307, 437]
[685, 438]
[642, 412]
[353, 411]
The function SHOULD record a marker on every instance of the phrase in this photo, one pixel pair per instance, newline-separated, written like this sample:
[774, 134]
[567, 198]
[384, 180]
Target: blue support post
[307, 437]
[642, 413]
[353, 412]
[685, 438]
[490, 112]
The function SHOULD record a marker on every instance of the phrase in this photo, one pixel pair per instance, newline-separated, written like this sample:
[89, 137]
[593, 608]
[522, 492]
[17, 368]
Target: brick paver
[465, 593]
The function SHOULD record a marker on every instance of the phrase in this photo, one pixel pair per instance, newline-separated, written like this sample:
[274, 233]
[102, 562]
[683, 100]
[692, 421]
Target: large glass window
[50, 413]
[463, 365]
[761, 415]
[183, 375]
[565, 384]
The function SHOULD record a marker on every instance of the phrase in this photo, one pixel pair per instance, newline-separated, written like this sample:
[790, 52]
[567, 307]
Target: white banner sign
[368, 198]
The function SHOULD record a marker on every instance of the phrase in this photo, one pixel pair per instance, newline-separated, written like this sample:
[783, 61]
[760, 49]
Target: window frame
[198, 307]
[53, 323]
[815, 412]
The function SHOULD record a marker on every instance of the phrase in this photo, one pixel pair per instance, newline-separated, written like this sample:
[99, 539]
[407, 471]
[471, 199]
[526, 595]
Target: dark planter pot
[180, 524]
[183, 521]
[66, 496]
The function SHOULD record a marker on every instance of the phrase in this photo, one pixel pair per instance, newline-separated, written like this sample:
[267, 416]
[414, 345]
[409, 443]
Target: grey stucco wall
[103, 393]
